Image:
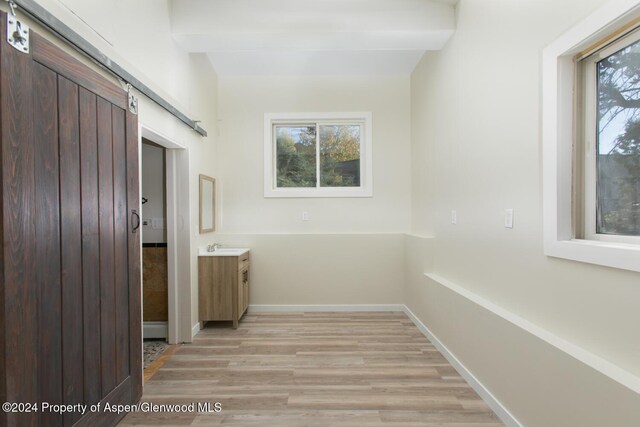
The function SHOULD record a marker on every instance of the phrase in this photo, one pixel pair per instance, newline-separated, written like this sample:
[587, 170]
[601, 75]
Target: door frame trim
[178, 232]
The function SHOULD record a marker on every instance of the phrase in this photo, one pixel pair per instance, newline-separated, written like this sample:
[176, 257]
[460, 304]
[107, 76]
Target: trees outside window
[296, 156]
[318, 155]
[615, 73]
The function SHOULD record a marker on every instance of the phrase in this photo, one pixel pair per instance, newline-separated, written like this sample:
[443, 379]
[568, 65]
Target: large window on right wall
[608, 189]
[591, 139]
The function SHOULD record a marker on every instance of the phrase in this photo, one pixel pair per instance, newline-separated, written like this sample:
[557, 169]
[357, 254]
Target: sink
[229, 251]
[224, 252]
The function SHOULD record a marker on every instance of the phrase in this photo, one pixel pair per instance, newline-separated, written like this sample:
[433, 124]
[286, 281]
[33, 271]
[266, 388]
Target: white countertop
[223, 252]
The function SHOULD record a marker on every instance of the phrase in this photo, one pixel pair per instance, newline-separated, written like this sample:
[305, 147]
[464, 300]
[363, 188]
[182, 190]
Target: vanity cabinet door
[243, 290]
[216, 288]
[245, 284]
[240, 300]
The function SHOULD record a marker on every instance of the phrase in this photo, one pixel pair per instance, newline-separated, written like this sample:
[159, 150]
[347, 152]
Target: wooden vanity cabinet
[223, 283]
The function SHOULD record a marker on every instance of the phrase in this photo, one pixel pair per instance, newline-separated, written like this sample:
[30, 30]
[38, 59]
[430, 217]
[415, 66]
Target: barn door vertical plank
[19, 286]
[70, 323]
[48, 275]
[90, 246]
[107, 247]
[135, 288]
[71, 246]
[120, 226]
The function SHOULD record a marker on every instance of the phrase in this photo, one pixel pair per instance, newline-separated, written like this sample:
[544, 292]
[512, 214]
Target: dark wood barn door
[70, 324]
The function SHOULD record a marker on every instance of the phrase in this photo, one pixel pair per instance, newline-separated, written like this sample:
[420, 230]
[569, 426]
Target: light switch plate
[508, 218]
[454, 217]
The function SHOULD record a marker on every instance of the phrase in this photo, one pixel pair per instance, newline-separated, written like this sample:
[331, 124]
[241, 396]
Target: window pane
[296, 156]
[340, 156]
[618, 143]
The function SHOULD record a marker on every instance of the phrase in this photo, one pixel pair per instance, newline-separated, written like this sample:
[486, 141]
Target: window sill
[315, 192]
[616, 255]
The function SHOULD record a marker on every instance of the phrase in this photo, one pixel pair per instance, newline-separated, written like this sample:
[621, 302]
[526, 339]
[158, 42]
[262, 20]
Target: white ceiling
[312, 37]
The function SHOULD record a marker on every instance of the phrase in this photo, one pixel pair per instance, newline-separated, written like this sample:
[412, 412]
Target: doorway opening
[166, 231]
[155, 292]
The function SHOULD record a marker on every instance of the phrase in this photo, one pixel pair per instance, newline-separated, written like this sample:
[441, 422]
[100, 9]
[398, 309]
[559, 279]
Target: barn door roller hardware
[17, 31]
[132, 100]
[37, 12]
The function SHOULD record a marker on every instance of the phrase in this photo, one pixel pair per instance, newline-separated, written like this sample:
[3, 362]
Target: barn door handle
[136, 224]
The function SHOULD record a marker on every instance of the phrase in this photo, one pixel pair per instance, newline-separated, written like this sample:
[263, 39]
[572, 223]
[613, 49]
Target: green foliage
[339, 156]
[296, 158]
[339, 149]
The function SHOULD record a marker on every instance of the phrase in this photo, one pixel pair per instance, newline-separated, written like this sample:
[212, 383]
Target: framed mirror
[207, 204]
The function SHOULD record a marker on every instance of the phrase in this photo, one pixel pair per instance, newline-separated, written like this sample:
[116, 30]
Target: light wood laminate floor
[314, 369]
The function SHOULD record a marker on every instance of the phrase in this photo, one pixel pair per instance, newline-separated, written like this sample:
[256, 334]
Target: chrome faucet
[213, 247]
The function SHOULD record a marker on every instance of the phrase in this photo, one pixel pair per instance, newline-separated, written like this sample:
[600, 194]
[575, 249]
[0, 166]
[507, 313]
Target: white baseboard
[154, 330]
[289, 308]
[497, 407]
[195, 329]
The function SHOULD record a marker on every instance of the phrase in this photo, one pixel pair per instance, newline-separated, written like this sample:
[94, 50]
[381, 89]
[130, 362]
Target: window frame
[587, 111]
[363, 119]
[560, 139]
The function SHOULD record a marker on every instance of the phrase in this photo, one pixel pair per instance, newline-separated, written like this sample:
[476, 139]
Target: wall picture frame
[207, 203]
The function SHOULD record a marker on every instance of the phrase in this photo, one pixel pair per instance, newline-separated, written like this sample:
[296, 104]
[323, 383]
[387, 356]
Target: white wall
[243, 102]
[476, 149]
[350, 252]
[309, 269]
[153, 189]
[138, 32]
[136, 35]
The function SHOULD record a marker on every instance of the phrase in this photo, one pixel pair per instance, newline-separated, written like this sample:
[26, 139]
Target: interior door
[70, 321]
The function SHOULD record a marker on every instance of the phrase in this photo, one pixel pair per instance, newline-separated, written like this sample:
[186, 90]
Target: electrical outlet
[305, 216]
[508, 218]
[454, 217]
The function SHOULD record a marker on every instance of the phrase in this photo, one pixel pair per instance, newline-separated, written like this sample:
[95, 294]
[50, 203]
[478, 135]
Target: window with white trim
[589, 145]
[609, 200]
[318, 155]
